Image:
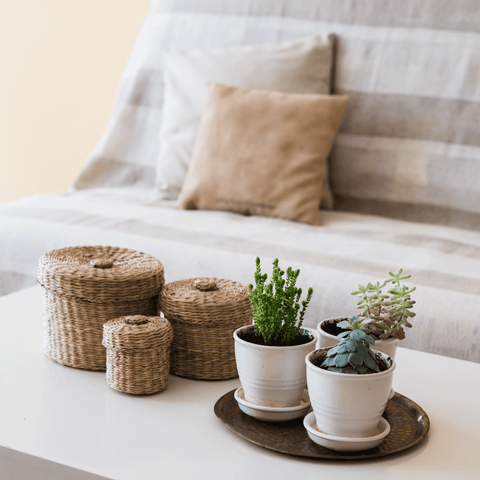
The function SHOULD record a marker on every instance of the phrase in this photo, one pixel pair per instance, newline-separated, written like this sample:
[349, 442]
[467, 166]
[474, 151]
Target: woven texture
[204, 313]
[138, 353]
[84, 287]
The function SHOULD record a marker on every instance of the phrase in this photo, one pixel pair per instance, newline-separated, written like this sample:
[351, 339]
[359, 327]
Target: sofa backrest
[409, 145]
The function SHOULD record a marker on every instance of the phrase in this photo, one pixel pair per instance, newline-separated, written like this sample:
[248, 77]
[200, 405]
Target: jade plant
[383, 315]
[277, 311]
[353, 354]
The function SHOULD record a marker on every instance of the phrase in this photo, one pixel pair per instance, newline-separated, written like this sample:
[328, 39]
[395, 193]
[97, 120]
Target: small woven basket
[84, 287]
[204, 313]
[138, 353]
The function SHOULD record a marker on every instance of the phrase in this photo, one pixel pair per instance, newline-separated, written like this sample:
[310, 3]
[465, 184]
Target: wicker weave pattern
[138, 353]
[82, 272]
[84, 287]
[204, 313]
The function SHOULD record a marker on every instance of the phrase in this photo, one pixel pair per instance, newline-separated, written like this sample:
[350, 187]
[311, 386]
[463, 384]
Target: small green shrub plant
[277, 311]
[384, 315]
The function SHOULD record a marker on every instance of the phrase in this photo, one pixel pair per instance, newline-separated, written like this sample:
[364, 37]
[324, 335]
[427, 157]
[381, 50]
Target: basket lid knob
[101, 263]
[206, 284]
[136, 320]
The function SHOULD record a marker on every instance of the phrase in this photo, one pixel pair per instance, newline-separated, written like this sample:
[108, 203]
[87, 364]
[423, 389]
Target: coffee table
[66, 423]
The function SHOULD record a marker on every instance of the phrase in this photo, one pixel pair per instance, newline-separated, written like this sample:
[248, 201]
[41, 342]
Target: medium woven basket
[84, 287]
[204, 313]
[138, 353]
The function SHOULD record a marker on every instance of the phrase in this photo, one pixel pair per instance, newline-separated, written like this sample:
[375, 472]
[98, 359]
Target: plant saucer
[273, 414]
[345, 444]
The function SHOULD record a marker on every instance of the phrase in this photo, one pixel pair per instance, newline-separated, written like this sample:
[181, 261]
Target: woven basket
[84, 287]
[138, 353]
[204, 313]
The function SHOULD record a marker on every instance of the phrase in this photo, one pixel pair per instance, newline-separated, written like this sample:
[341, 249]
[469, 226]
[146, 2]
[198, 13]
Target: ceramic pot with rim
[272, 376]
[347, 405]
[325, 339]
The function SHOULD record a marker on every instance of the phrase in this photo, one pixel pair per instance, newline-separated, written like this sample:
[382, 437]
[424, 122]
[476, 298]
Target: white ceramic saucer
[345, 444]
[272, 414]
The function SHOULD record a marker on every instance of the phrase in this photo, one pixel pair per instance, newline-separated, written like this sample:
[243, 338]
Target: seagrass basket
[84, 287]
[204, 313]
[138, 353]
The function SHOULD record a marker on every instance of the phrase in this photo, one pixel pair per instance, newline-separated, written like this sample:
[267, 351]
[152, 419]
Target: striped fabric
[408, 149]
[410, 136]
[347, 250]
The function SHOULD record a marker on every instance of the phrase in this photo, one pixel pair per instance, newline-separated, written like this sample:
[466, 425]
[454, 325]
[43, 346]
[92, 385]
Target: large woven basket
[84, 287]
[204, 313]
[138, 353]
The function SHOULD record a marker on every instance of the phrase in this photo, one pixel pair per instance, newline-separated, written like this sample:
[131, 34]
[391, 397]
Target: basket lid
[101, 274]
[137, 332]
[206, 301]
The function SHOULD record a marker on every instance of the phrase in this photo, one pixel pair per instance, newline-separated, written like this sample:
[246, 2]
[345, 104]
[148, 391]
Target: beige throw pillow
[299, 66]
[262, 153]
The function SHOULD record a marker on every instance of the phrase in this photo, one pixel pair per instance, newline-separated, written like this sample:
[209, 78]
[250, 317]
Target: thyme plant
[276, 309]
[385, 315]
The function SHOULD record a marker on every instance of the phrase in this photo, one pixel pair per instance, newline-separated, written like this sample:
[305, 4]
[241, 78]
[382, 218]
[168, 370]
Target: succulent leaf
[341, 360]
[333, 351]
[362, 351]
[344, 324]
[371, 364]
[358, 335]
[350, 345]
[329, 362]
[355, 360]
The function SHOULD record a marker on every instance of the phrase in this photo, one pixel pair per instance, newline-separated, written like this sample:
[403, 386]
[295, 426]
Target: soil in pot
[332, 328]
[249, 335]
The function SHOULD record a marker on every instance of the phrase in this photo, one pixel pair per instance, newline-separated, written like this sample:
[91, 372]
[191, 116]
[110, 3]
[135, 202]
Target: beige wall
[60, 66]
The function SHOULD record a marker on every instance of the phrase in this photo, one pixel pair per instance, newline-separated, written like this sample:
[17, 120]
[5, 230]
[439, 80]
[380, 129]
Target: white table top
[54, 419]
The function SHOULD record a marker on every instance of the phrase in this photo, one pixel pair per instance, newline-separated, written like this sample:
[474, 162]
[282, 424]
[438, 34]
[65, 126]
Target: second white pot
[325, 339]
[272, 376]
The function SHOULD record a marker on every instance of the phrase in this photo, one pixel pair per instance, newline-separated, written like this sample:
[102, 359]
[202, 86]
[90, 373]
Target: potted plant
[383, 316]
[270, 354]
[349, 384]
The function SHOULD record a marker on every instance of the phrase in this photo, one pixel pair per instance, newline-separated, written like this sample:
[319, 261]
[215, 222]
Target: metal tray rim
[422, 420]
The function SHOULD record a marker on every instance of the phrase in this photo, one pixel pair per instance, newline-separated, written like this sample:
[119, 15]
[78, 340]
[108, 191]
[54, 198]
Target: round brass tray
[409, 425]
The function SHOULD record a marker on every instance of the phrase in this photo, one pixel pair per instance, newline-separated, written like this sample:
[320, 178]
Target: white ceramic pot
[272, 376]
[347, 405]
[389, 346]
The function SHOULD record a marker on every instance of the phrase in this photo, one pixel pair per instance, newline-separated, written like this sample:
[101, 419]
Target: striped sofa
[405, 165]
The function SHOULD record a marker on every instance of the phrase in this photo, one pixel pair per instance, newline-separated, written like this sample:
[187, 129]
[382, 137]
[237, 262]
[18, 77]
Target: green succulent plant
[384, 315]
[277, 312]
[353, 354]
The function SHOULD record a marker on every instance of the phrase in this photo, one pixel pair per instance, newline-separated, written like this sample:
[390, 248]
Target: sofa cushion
[412, 79]
[302, 66]
[262, 153]
[347, 250]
